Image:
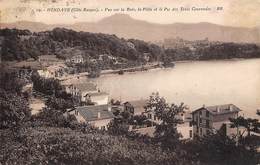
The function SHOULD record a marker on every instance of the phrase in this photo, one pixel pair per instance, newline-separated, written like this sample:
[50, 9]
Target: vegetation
[248, 137]
[214, 52]
[50, 145]
[22, 44]
[49, 86]
[250, 125]
[14, 109]
[219, 149]
[54, 137]
[166, 132]
[9, 81]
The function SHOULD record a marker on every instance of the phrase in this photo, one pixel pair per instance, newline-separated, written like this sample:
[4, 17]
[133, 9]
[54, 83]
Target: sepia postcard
[131, 82]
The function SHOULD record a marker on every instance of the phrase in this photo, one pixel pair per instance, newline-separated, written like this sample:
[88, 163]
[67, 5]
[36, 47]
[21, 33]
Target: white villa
[87, 92]
[76, 59]
[210, 119]
[53, 71]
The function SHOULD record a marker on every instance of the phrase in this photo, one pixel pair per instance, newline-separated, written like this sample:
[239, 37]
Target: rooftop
[56, 67]
[221, 109]
[137, 103]
[33, 64]
[90, 113]
[98, 94]
[48, 57]
[86, 86]
[76, 56]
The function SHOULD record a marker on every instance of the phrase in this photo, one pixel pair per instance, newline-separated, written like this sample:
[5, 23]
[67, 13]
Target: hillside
[20, 45]
[124, 26]
[65, 146]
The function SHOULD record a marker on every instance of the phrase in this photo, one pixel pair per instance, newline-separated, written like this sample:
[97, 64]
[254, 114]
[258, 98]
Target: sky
[240, 13]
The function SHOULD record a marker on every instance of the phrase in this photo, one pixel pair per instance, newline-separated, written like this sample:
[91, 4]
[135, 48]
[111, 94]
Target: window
[207, 123]
[190, 133]
[190, 123]
[150, 116]
[207, 113]
[200, 131]
[200, 113]
[154, 117]
[200, 120]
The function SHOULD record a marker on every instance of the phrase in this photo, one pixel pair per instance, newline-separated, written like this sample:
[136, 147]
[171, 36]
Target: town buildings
[80, 90]
[76, 59]
[53, 71]
[201, 122]
[209, 119]
[48, 60]
[87, 93]
[137, 107]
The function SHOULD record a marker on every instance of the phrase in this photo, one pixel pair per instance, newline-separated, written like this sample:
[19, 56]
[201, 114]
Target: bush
[64, 146]
[14, 109]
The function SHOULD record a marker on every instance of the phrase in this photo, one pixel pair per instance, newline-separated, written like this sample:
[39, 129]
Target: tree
[165, 132]
[118, 126]
[115, 102]
[49, 86]
[258, 112]
[14, 109]
[218, 149]
[9, 81]
[250, 125]
[138, 120]
[59, 104]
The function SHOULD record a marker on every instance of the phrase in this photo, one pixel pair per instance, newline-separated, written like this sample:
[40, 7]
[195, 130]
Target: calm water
[194, 83]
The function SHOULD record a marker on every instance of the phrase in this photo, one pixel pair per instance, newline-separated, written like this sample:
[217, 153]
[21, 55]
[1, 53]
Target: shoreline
[137, 69]
[131, 70]
[157, 66]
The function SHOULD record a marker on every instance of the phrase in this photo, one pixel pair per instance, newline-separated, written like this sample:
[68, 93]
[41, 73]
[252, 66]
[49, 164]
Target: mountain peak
[116, 18]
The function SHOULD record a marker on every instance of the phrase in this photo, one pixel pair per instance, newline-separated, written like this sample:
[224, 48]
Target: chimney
[218, 109]
[230, 107]
[203, 106]
[98, 115]
[183, 117]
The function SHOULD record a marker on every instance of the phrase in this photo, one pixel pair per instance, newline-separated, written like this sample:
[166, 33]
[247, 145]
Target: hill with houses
[18, 45]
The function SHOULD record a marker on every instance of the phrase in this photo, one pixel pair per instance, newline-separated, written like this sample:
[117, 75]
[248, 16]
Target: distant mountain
[32, 26]
[124, 26]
